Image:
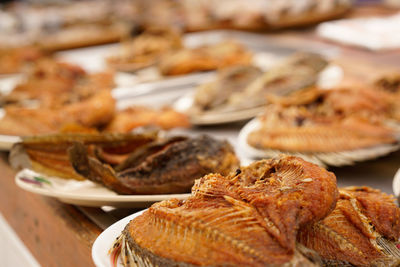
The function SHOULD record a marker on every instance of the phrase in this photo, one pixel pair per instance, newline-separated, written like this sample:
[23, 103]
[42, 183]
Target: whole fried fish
[48, 154]
[293, 129]
[244, 87]
[325, 121]
[169, 166]
[363, 230]
[248, 218]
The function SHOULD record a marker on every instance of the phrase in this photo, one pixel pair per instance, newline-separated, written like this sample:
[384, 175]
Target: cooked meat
[94, 111]
[13, 60]
[48, 154]
[52, 84]
[363, 230]
[204, 58]
[246, 87]
[145, 49]
[230, 81]
[248, 218]
[170, 168]
[128, 119]
[319, 121]
[294, 129]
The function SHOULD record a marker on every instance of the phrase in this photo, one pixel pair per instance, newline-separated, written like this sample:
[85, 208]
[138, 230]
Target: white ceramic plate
[104, 241]
[323, 159]
[396, 184]
[84, 193]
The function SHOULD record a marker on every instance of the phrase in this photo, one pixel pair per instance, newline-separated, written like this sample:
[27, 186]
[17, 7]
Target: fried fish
[161, 167]
[248, 218]
[363, 230]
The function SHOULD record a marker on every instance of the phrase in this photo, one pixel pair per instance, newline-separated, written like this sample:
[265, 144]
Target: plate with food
[272, 212]
[101, 246]
[396, 184]
[77, 101]
[84, 193]
[328, 127]
[87, 166]
[241, 92]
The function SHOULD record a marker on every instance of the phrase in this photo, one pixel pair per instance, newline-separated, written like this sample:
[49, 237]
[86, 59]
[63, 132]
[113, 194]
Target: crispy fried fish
[245, 87]
[248, 218]
[294, 129]
[94, 111]
[324, 121]
[204, 58]
[159, 168]
[145, 49]
[363, 230]
[48, 154]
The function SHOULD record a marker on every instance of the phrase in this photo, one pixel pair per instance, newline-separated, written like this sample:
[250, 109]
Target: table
[61, 235]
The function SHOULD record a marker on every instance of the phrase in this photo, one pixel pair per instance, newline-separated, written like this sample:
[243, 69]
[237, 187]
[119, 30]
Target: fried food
[246, 87]
[48, 154]
[93, 112]
[248, 218]
[128, 119]
[296, 130]
[390, 85]
[204, 58]
[51, 83]
[145, 49]
[363, 230]
[319, 121]
[162, 167]
[230, 81]
[13, 60]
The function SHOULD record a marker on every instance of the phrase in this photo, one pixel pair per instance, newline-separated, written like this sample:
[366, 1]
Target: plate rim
[396, 184]
[120, 224]
[91, 198]
[314, 157]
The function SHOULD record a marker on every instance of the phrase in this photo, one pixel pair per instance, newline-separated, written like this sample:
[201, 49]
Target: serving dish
[396, 184]
[84, 193]
[322, 159]
[102, 243]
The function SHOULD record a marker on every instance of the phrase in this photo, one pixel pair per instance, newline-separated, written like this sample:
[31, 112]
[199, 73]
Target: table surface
[58, 234]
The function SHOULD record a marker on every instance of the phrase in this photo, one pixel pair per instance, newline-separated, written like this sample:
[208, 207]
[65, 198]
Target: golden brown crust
[250, 218]
[145, 49]
[170, 168]
[325, 121]
[93, 112]
[204, 58]
[354, 232]
[13, 60]
[128, 119]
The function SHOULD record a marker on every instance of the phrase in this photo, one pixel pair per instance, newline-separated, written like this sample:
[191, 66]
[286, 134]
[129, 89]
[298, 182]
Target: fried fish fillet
[363, 230]
[248, 218]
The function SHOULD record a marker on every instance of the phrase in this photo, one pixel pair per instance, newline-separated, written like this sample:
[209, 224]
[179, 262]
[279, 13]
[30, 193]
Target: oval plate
[84, 193]
[104, 241]
[341, 158]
